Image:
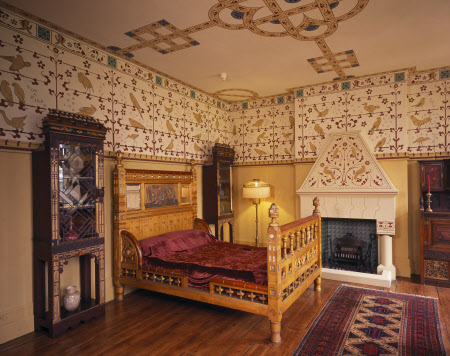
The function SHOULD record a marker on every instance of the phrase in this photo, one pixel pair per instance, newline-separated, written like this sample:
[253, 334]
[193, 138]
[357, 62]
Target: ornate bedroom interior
[297, 73]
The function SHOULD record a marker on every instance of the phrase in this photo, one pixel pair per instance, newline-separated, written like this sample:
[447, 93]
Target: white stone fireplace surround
[350, 183]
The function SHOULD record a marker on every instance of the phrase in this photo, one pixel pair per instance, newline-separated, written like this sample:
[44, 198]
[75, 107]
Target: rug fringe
[388, 291]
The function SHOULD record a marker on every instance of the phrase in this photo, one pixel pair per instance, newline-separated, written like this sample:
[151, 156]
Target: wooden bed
[293, 250]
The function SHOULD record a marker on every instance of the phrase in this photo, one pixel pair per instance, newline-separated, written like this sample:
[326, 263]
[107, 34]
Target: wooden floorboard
[147, 323]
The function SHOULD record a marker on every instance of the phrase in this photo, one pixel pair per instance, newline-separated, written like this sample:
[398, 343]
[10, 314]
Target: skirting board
[379, 280]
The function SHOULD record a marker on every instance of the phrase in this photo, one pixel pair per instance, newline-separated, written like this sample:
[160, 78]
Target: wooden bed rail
[293, 262]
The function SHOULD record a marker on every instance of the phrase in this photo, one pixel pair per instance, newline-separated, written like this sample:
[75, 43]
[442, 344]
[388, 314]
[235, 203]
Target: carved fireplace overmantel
[350, 183]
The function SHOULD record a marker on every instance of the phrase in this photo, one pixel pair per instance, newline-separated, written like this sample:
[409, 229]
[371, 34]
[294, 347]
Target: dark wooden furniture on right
[435, 224]
[218, 190]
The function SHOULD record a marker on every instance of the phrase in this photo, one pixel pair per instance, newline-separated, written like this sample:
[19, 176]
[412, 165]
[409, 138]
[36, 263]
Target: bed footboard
[294, 262]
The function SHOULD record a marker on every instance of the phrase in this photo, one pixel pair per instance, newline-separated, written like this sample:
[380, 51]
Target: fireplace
[350, 244]
[351, 184]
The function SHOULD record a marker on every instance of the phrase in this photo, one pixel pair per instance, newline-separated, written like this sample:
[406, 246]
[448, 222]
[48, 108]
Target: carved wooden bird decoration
[19, 93]
[313, 147]
[258, 123]
[168, 110]
[260, 137]
[420, 103]
[6, 92]
[418, 122]
[375, 125]
[17, 62]
[319, 130]
[199, 136]
[292, 121]
[380, 144]
[419, 140]
[359, 172]
[370, 108]
[329, 172]
[170, 145]
[85, 81]
[16, 122]
[169, 126]
[197, 117]
[87, 110]
[136, 104]
[321, 113]
[136, 124]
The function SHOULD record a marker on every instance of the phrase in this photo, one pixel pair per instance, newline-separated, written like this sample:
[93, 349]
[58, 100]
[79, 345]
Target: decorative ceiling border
[108, 58]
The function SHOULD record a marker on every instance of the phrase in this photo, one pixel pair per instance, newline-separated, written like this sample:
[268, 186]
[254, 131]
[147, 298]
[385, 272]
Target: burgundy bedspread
[209, 259]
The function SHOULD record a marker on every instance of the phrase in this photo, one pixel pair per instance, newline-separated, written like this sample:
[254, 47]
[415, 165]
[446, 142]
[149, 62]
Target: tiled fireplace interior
[360, 229]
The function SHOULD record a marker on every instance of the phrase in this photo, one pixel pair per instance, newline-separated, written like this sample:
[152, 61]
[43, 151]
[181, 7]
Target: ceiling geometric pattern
[282, 23]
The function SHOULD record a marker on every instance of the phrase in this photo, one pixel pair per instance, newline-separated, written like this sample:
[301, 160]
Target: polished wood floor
[147, 323]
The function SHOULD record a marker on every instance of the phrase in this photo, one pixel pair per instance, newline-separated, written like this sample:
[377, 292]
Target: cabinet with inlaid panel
[68, 219]
[435, 222]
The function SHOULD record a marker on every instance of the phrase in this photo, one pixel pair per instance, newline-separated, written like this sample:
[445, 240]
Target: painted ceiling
[265, 47]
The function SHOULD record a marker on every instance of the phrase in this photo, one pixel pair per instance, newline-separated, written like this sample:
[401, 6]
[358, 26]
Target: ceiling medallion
[236, 95]
[310, 29]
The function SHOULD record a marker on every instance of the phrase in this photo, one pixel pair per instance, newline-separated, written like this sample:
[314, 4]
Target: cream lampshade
[256, 190]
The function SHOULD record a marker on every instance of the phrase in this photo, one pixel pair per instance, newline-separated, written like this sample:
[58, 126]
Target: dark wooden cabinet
[218, 190]
[68, 219]
[435, 224]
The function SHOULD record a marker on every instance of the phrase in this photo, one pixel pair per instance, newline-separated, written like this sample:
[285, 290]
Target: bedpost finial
[273, 214]
[119, 156]
[192, 163]
[316, 206]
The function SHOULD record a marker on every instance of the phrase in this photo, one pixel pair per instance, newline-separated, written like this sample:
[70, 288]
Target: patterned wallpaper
[41, 68]
[401, 113]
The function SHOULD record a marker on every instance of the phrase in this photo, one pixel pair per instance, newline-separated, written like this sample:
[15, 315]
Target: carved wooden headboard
[149, 203]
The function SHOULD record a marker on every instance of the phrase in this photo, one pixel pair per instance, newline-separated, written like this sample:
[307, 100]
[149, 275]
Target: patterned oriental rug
[359, 321]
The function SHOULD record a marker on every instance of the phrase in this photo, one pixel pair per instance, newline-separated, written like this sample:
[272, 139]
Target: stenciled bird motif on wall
[234, 130]
[292, 121]
[85, 82]
[7, 92]
[380, 144]
[319, 130]
[419, 104]
[313, 147]
[16, 122]
[199, 136]
[217, 124]
[370, 108]
[328, 172]
[420, 140]
[87, 110]
[321, 113]
[260, 137]
[197, 117]
[136, 123]
[136, 105]
[260, 152]
[26, 26]
[286, 151]
[170, 145]
[170, 127]
[258, 123]
[133, 136]
[418, 122]
[19, 93]
[287, 135]
[335, 153]
[359, 172]
[168, 110]
[197, 148]
[375, 125]
[17, 62]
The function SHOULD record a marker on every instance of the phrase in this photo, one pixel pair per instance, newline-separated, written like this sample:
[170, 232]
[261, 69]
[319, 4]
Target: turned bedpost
[274, 274]
[317, 234]
[119, 221]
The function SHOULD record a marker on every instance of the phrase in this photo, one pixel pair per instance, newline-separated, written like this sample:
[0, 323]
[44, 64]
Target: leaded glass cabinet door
[224, 184]
[77, 184]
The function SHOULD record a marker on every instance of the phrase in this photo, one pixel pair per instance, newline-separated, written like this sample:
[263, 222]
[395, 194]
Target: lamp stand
[256, 202]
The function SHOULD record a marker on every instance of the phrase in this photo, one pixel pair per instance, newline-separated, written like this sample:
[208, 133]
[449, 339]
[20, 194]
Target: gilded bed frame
[293, 251]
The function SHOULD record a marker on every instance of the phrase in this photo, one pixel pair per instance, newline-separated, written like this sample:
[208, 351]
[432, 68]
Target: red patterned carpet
[358, 321]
